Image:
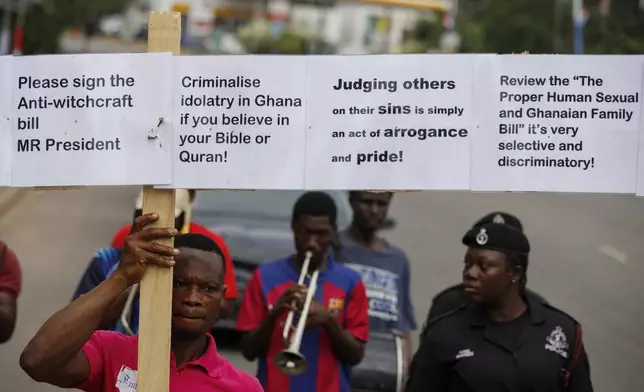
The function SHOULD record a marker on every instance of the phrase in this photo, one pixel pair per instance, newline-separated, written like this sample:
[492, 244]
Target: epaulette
[436, 319]
[551, 307]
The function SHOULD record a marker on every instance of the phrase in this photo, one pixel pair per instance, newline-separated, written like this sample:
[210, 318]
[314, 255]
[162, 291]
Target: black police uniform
[455, 297]
[463, 351]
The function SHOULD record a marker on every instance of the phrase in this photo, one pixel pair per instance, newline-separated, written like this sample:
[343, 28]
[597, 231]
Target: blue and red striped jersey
[340, 290]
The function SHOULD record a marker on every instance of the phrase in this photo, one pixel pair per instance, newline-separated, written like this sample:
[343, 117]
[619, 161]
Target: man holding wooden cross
[106, 260]
[68, 352]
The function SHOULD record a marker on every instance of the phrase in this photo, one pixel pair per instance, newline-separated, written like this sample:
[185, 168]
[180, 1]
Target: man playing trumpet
[314, 351]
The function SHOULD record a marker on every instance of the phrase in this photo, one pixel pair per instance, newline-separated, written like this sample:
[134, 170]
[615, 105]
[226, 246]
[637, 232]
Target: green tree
[508, 26]
[542, 26]
[257, 38]
[622, 32]
[425, 36]
[47, 20]
[42, 30]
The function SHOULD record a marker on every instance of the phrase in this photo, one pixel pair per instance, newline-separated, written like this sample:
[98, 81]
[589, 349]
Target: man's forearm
[7, 323]
[345, 346]
[54, 345]
[256, 342]
[113, 314]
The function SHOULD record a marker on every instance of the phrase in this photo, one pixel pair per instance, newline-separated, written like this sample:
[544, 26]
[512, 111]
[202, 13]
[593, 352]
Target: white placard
[239, 122]
[390, 122]
[92, 119]
[560, 124]
[5, 121]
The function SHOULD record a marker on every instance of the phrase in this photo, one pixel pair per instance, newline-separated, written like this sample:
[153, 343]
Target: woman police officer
[502, 342]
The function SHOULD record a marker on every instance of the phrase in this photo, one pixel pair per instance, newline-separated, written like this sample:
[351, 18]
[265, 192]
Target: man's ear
[223, 300]
[225, 305]
[517, 273]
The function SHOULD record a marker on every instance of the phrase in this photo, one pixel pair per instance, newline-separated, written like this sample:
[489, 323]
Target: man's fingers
[153, 258]
[142, 221]
[157, 233]
[154, 247]
[295, 297]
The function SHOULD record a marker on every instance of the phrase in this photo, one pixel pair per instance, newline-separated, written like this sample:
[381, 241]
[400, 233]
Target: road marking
[613, 253]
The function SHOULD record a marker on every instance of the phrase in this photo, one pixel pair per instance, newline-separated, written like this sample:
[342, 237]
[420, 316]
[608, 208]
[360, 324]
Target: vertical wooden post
[164, 35]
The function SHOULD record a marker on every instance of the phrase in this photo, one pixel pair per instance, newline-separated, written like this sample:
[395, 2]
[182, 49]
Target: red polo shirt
[113, 362]
[195, 228]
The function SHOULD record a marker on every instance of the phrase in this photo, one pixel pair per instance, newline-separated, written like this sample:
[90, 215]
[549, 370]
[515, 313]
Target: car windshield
[266, 204]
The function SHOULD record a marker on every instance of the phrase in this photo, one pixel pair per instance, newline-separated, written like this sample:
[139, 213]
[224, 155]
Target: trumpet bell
[291, 363]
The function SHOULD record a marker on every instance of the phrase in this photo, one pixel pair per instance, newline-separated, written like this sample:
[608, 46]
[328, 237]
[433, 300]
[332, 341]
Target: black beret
[497, 236]
[500, 217]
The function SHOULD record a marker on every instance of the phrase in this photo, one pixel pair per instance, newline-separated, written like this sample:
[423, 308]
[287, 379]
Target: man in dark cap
[504, 340]
[455, 296]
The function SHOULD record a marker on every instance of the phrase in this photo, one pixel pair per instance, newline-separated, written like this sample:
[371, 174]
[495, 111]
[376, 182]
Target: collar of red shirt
[211, 362]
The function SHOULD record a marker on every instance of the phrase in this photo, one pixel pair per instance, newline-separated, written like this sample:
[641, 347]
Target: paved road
[588, 259]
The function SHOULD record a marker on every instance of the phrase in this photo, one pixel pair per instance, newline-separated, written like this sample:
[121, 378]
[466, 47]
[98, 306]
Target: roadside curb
[9, 197]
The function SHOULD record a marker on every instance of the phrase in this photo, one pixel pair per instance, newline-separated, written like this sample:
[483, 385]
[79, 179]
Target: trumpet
[290, 360]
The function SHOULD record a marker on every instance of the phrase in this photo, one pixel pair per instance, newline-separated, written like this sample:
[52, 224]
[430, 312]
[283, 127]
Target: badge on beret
[481, 237]
[498, 218]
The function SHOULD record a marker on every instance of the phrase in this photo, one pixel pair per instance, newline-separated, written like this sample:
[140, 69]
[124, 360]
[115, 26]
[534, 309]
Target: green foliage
[257, 39]
[290, 43]
[515, 26]
[42, 30]
[425, 35]
[621, 33]
[81, 12]
[540, 26]
[415, 46]
[47, 20]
